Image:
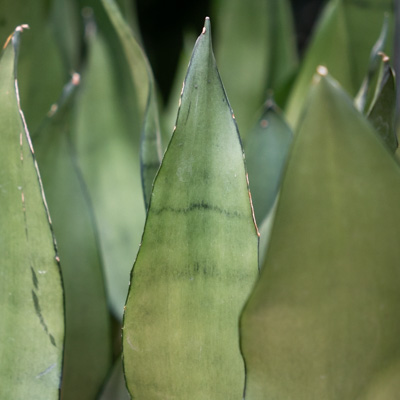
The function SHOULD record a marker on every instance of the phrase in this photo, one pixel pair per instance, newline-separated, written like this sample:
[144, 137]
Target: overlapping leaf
[41, 74]
[142, 78]
[383, 108]
[255, 49]
[266, 149]
[198, 259]
[108, 155]
[31, 295]
[366, 92]
[342, 41]
[88, 341]
[322, 321]
[115, 388]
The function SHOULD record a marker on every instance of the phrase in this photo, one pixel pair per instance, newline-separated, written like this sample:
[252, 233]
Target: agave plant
[258, 206]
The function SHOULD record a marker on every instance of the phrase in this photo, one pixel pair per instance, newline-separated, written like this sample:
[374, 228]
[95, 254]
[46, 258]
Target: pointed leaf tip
[322, 70]
[207, 23]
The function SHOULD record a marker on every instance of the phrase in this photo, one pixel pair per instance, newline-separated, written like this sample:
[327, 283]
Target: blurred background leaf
[115, 388]
[87, 354]
[342, 41]
[108, 155]
[382, 111]
[261, 32]
[266, 149]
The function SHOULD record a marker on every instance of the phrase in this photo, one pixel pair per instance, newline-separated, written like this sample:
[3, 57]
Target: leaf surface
[115, 388]
[198, 259]
[87, 342]
[342, 41]
[322, 321]
[256, 51]
[143, 81]
[266, 150]
[366, 92]
[383, 108]
[40, 81]
[108, 156]
[31, 294]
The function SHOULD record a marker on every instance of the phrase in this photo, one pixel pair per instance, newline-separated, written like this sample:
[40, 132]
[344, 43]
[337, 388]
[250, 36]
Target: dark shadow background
[162, 24]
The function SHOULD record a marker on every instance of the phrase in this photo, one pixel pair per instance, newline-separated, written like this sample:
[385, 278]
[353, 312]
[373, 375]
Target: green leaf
[256, 50]
[150, 148]
[108, 155]
[342, 41]
[31, 295]
[169, 112]
[283, 58]
[367, 90]
[66, 25]
[198, 259]
[142, 78]
[265, 228]
[115, 388]
[383, 108]
[88, 340]
[322, 321]
[41, 73]
[266, 150]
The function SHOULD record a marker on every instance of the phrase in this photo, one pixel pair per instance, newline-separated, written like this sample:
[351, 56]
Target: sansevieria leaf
[115, 387]
[143, 81]
[256, 51]
[383, 108]
[322, 322]
[87, 354]
[108, 156]
[342, 41]
[198, 259]
[266, 148]
[40, 82]
[366, 92]
[31, 296]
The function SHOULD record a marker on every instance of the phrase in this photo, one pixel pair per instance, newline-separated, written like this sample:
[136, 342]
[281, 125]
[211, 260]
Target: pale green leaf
[322, 322]
[266, 150]
[31, 295]
[115, 388]
[88, 333]
[142, 78]
[41, 73]
[342, 41]
[198, 259]
[256, 51]
[383, 108]
[66, 25]
[108, 155]
[169, 113]
[366, 92]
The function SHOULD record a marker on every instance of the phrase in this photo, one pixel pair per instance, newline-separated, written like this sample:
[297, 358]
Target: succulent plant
[246, 251]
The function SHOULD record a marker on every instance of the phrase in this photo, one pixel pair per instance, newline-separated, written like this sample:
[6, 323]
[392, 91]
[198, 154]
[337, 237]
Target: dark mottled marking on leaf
[41, 319]
[205, 270]
[198, 207]
[52, 340]
[187, 115]
[34, 278]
